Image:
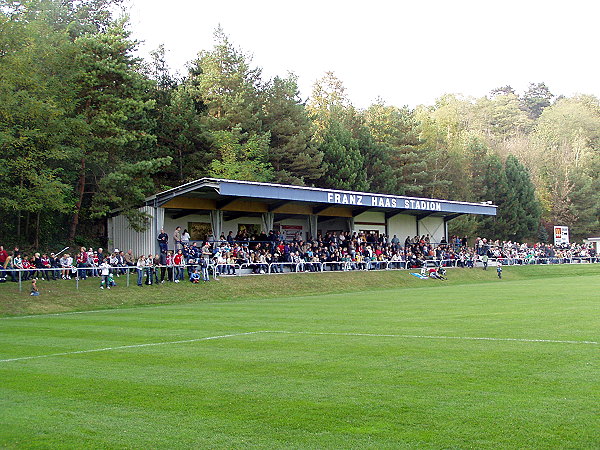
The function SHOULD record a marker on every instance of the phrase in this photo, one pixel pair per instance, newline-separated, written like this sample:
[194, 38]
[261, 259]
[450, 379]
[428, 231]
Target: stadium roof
[275, 195]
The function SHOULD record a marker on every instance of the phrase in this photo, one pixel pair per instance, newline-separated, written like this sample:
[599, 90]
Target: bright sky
[407, 52]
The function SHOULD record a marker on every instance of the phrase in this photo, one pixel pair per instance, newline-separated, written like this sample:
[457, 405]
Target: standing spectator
[156, 264]
[162, 262]
[101, 256]
[499, 269]
[169, 264]
[149, 269]
[179, 264]
[185, 238]
[37, 263]
[121, 263]
[54, 264]
[17, 263]
[92, 262]
[204, 265]
[82, 263]
[104, 272]
[141, 263]
[163, 241]
[177, 239]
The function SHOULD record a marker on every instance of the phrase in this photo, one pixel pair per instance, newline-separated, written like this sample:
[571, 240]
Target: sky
[406, 52]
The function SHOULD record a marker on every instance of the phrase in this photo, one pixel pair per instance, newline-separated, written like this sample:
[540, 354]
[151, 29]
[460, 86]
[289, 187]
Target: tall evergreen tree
[397, 130]
[521, 210]
[114, 102]
[344, 163]
[494, 188]
[337, 135]
[293, 155]
[231, 93]
[536, 99]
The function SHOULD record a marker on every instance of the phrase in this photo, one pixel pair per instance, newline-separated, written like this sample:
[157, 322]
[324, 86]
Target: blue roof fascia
[349, 198]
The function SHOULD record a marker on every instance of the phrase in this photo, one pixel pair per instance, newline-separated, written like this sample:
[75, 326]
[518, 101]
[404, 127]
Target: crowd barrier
[173, 273]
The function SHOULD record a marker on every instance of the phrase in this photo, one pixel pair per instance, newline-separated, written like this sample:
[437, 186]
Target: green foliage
[183, 134]
[293, 155]
[228, 86]
[402, 155]
[114, 103]
[126, 188]
[87, 128]
[521, 210]
[536, 99]
[241, 158]
[342, 159]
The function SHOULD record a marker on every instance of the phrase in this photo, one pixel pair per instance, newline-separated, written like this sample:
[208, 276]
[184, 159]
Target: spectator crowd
[179, 259]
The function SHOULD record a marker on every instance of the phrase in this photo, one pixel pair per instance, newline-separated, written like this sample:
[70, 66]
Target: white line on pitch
[314, 333]
[121, 347]
[70, 313]
[415, 336]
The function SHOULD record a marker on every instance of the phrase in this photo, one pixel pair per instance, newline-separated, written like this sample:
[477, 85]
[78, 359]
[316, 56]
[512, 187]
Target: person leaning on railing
[141, 264]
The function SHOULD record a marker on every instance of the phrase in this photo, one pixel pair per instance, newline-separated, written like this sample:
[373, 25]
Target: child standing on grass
[499, 269]
[105, 272]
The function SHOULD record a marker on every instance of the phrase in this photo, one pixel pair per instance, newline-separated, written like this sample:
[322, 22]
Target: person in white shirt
[104, 272]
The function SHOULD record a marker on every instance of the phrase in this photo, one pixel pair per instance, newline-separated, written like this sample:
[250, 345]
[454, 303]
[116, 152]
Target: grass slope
[321, 384]
[62, 296]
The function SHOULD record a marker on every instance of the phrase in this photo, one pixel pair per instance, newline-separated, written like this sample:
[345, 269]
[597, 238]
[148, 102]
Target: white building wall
[170, 224]
[299, 221]
[434, 227]
[402, 225]
[374, 221]
[122, 236]
[232, 225]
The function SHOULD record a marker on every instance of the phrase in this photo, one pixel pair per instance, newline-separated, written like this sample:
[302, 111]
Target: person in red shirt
[3, 255]
[3, 258]
[82, 264]
[179, 262]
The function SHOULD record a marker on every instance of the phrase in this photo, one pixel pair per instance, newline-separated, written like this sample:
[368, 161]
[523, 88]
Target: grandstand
[209, 207]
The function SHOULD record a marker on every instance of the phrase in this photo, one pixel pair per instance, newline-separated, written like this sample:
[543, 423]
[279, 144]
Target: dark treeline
[87, 127]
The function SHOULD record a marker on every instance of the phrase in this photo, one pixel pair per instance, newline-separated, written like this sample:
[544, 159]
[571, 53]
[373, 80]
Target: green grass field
[358, 360]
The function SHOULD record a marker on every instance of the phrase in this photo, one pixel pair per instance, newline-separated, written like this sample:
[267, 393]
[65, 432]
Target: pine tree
[229, 91]
[521, 209]
[114, 102]
[344, 164]
[294, 157]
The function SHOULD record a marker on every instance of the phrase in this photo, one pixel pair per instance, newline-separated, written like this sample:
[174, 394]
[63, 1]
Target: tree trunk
[19, 216]
[36, 243]
[180, 164]
[80, 191]
[27, 234]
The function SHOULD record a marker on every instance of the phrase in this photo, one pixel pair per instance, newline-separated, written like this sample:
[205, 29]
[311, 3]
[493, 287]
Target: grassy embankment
[62, 296]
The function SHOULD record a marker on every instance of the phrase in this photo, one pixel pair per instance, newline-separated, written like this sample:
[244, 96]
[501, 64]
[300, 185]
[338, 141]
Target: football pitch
[480, 364]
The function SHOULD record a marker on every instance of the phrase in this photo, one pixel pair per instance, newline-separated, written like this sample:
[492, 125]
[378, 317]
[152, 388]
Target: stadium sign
[382, 202]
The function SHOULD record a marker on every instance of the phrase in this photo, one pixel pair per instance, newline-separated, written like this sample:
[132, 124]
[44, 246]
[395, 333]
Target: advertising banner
[561, 235]
[292, 231]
